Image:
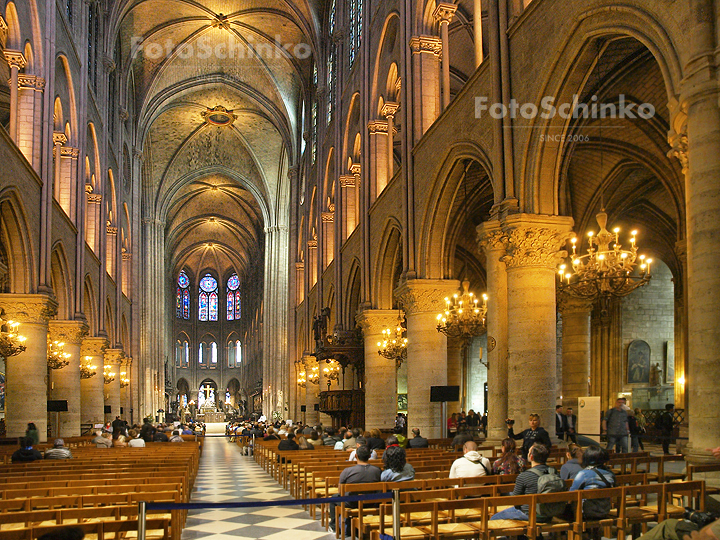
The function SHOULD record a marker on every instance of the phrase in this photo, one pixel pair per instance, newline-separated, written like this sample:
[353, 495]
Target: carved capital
[327, 217]
[73, 332]
[111, 230]
[374, 321]
[379, 126]
[389, 109]
[300, 265]
[69, 151]
[426, 295]
[347, 181]
[114, 356]
[29, 308]
[679, 148]
[313, 244]
[137, 154]
[126, 256]
[444, 13]
[59, 138]
[39, 84]
[567, 304]
[15, 59]
[94, 198]
[108, 63]
[355, 169]
[426, 44]
[491, 237]
[94, 346]
[536, 241]
[123, 113]
[293, 173]
[27, 81]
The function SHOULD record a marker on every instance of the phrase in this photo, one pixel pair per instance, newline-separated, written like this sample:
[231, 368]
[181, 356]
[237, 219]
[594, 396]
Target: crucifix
[208, 390]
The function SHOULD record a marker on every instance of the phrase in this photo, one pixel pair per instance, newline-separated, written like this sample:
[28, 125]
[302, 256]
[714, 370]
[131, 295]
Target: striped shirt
[526, 484]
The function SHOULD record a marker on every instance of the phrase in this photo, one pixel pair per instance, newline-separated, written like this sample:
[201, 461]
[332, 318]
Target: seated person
[26, 452]
[58, 451]
[594, 475]
[526, 484]
[508, 462]
[375, 440]
[471, 464]
[417, 441]
[289, 443]
[120, 442]
[397, 469]
[104, 441]
[136, 441]
[271, 436]
[176, 437]
[305, 444]
[361, 441]
[402, 439]
[573, 465]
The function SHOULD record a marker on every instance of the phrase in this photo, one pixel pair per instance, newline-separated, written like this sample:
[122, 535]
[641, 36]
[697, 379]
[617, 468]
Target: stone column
[445, 13]
[347, 186]
[533, 252]
[125, 389]
[114, 359]
[477, 32]
[493, 241]
[312, 392]
[379, 174]
[380, 380]
[66, 381]
[606, 352]
[26, 373]
[422, 300]
[328, 224]
[16, 61]
[575, 348]
[681, 329]
[456, 374]
[92, 390]
[388, 111]
[59, 139]
[29, 114]
[426, 52]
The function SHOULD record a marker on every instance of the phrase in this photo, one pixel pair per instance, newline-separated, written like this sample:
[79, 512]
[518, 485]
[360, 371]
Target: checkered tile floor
[225, 475]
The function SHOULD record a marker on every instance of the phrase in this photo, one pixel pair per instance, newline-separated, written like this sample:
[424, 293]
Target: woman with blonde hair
[120, 442]
[509, 462]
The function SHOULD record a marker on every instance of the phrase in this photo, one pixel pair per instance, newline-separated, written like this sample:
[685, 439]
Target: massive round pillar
[65, 382]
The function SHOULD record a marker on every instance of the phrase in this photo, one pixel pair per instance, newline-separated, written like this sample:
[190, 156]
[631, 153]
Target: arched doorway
[231, 394]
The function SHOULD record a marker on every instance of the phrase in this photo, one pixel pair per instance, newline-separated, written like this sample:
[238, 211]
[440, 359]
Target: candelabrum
[87, 370]
[464, 316]
[108, 375]
[57, 357]
[394, 347]
[331, 371]
[607, 269]
[304, 377]
[124, 381]
[11, 342]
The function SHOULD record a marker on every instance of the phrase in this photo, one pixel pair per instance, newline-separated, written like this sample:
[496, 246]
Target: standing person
[560, 423]
[118, 426]
[531, 435]
[642, 426]
[615, 424]
[33, 433]
[666, 424]
[634, 428]
[361, 473]
[452, 425]
[508, 462]
[571, 421]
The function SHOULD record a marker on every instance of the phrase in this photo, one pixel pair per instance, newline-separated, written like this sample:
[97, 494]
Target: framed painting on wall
[638, 362]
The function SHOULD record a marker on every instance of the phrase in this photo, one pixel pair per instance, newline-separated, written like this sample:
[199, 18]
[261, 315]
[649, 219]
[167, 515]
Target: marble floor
[226, 476]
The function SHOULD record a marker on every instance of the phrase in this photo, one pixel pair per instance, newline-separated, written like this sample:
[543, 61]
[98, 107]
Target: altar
[208, 411]
[211, 416]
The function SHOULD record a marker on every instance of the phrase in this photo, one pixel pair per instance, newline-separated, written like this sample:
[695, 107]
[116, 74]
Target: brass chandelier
[86, 369]
[464, 317]
[312, 377]
[11, 342]
[124, 381]
[394, 348]
[108, 375]
[607, 269]
[331, 371]
[57, 357]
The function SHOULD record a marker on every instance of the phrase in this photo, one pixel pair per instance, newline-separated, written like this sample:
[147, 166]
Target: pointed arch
[110, 322]
[61, 281]
[17, 242]
[389, 259]
[124, 333]
[89, 305]
[353, 288]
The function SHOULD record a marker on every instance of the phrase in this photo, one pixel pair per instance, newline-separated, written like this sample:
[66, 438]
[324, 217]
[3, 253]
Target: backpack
[549, 482]
[596, 508]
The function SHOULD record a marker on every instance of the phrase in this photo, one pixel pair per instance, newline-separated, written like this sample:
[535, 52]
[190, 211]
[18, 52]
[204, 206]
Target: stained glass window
[178, 354]
[213, 354]
[208, 299]
[237, 305]
[356, 15]
[182, 296]
[314, 131]
[186, 356]
[232, 284]
[238, 353]
[331, 63]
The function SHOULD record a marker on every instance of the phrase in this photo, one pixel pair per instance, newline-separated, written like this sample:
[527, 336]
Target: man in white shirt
[471, 464]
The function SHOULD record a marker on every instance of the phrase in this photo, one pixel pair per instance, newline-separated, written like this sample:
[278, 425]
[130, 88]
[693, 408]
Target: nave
[226, 476]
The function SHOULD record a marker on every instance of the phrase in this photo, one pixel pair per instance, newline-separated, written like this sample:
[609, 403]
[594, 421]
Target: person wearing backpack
[471, 464]
[594, 476]
[538, 479]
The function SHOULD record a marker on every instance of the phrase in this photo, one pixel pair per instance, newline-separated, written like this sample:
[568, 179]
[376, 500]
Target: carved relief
[424, 296]
[73, 332]
[535, 246]
[32, 309]
[679, 149]
[492, 239]
[374, 321]
[94, 346]
[114, 356]
[426, 44]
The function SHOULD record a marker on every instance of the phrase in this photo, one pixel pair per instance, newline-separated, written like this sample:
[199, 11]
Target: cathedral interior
[218, 206]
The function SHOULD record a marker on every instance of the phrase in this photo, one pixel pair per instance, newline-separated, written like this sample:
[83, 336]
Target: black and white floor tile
[226, 476]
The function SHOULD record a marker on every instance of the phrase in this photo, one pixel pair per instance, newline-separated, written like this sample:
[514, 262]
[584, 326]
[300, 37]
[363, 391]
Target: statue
[320, 327]
[655, 375]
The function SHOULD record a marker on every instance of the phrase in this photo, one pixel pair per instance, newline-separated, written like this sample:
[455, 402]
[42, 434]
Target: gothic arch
[110, 323]
[388, 257]
[352, 298]
[65, 91]
[387, 50]
[124, 333]
[89, 305]
[542, 163]
[61, 282]
[16, 238]
[433, 253]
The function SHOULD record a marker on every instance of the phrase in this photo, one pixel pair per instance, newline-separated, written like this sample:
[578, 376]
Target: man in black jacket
[560, 423]
[666, 424]
[530, 436]
[26, 451]
[417, 441]
[289, 443]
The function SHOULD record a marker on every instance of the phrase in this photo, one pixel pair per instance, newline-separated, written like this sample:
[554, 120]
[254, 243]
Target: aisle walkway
[225, 475]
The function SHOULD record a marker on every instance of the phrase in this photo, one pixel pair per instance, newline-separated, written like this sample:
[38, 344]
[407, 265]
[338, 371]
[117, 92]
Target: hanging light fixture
[464, 316]
[57, 357]
[312, 377]
[108, 375]
[607, 269]
[124, 381]
[331, 371]
[394, 348]
[11, 342]
[86, 369]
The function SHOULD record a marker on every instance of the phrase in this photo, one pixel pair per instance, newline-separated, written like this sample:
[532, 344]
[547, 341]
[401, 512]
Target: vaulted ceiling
[216, 91]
